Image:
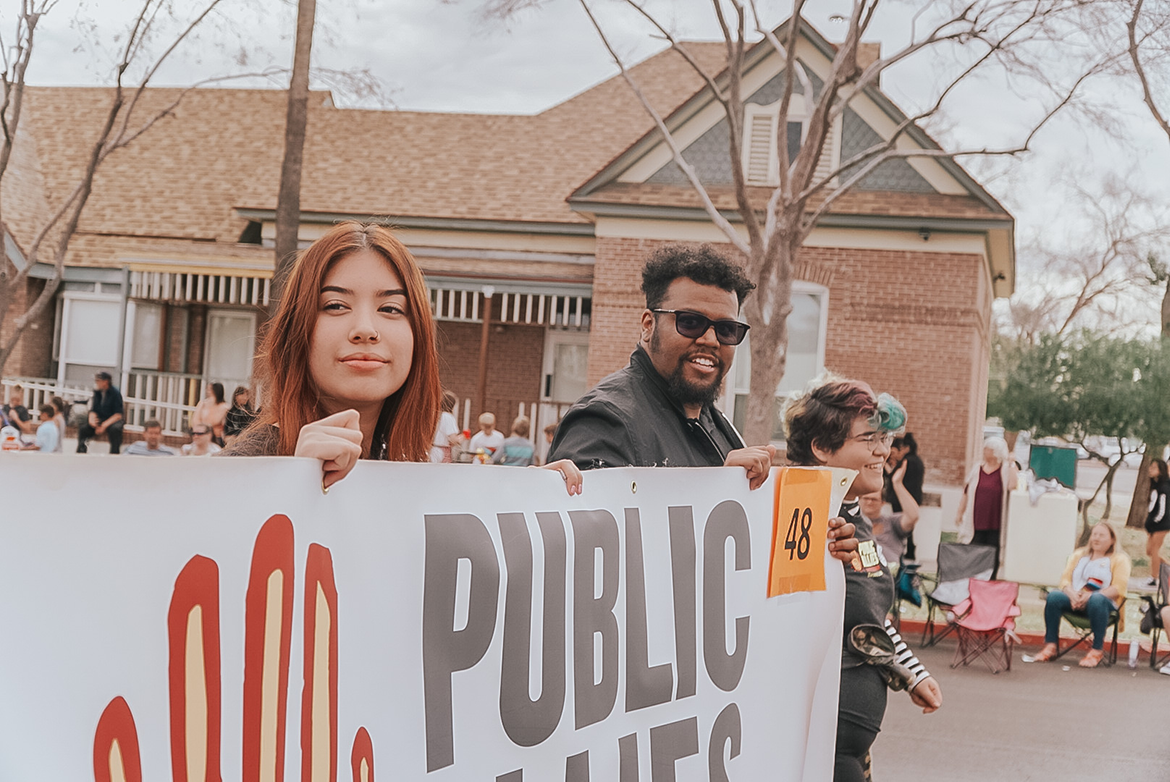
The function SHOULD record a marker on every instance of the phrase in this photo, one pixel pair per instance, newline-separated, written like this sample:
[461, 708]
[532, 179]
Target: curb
[915, 627]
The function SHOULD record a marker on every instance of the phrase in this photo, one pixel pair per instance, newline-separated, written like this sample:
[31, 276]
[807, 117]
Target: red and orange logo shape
[194, 674]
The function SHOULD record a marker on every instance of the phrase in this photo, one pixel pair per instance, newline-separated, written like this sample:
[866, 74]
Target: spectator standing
[892, 531]
[105, 415]
[240, 415]
[983, 507]
[48, 435]
[904, 453]
[212, 410]
[1094, 582]
[1158, 517]
[517, 450]
[201, 444]
[488, 439]
[15, 414]
[59, 419]
[151, 442]
[447, 433]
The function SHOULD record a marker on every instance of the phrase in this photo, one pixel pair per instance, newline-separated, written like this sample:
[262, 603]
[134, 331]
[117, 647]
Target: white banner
[207, 619]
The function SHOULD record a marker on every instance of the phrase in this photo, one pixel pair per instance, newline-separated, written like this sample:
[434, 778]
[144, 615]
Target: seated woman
[841, 423]
[1093, 584]
[212, 411]
[350, 355]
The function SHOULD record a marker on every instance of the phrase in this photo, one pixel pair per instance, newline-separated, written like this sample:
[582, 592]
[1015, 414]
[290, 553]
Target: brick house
[548, 217]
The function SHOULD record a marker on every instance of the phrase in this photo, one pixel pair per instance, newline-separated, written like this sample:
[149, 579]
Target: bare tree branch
[1135, 56]
[720, 221]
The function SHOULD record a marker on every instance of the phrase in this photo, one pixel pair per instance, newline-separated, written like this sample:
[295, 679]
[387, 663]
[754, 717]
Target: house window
[761, 158]
[807, 326]
[147, 335]
[89, 336]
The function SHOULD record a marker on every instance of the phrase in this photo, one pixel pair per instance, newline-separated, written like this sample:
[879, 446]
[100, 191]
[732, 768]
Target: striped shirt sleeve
[906, 657]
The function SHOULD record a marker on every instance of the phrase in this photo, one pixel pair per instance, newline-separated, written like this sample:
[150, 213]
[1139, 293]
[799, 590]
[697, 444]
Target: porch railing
[169, 397]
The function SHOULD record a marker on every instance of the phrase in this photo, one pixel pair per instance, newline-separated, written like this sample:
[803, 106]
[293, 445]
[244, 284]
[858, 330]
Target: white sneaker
[1165, 669]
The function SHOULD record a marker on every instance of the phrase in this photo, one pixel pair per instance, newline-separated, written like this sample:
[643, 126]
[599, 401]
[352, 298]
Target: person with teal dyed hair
[843, 423]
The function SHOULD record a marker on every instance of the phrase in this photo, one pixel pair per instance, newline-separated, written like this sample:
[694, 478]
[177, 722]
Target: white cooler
[1040, 537]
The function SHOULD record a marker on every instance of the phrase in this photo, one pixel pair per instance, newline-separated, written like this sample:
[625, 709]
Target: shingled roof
[221, 149]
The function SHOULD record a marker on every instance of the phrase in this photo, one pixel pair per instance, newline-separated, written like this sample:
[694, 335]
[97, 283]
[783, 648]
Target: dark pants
[989, 537]
[1097, 609]
[113, 434]
[861, 706]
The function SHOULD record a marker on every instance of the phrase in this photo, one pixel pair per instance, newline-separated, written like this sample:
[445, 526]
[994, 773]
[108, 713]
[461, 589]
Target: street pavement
[1048, 722]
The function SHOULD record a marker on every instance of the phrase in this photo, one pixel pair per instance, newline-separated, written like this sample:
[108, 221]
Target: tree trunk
[1140, 503]
[767, 310]
[1166, 311]
[288, 203]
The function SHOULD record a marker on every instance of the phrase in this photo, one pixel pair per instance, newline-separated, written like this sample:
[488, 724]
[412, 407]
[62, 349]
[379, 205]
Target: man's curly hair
[702, 264]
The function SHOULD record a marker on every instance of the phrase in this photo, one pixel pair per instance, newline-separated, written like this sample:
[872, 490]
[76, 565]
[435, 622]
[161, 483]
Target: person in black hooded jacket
[1158, 518]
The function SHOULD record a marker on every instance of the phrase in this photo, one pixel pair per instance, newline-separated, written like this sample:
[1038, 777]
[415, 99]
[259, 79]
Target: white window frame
[235, 312]
[64, 355]
[726, 401]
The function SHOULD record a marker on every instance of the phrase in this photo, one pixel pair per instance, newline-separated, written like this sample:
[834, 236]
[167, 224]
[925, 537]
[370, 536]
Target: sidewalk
[1040, 721]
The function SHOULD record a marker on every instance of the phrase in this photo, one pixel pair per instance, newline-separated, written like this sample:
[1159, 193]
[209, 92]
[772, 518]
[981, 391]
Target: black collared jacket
[629, 419]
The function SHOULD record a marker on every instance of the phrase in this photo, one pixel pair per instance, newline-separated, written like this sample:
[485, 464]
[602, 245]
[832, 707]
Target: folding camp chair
[1163, 599]
[908, 587]
[985, 624]
[957, 564]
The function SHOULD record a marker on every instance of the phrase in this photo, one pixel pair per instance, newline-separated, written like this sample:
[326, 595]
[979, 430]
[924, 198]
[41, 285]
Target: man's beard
[686, 392]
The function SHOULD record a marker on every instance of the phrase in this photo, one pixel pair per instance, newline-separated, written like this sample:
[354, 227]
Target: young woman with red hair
[350, 359]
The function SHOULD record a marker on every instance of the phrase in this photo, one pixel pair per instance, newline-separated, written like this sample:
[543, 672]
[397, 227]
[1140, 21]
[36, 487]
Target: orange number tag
[800, 525]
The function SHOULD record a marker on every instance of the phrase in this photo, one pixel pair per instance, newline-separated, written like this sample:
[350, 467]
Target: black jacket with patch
[629, 419]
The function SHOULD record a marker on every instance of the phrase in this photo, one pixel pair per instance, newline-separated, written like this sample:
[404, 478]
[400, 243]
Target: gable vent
[760, 149]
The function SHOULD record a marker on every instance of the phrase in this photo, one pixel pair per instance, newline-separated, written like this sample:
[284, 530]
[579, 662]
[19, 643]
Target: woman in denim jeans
[1093, 584]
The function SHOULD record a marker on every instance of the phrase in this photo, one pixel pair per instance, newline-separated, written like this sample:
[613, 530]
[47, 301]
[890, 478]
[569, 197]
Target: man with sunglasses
[660, 410]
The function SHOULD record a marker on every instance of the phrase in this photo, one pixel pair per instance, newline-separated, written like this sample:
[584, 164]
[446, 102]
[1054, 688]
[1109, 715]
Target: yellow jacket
[1119, 569]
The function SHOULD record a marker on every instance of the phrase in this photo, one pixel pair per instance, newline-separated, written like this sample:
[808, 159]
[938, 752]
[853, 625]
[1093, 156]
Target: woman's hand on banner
[336, 440]
[842, 542]
[569, 472]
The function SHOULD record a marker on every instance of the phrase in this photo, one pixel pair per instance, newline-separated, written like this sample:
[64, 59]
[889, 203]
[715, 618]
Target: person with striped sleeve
[842, 423]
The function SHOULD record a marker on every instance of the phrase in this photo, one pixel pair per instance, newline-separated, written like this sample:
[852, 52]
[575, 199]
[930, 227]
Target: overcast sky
[444, 56]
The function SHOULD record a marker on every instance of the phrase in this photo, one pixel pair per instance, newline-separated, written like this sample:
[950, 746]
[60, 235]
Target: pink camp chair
[986, 624]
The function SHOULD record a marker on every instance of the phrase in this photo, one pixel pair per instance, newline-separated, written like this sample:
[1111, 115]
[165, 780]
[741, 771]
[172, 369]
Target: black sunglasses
[692, 325]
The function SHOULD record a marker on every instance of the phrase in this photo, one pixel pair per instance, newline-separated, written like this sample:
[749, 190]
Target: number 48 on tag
[800, 525]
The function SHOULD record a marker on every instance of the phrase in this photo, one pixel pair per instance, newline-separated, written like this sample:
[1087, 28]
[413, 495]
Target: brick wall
[515, 356]
[195, 339]
[914, 324]
[33, 354]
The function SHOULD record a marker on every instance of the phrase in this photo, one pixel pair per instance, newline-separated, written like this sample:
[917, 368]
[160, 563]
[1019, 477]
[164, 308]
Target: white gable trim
[756, 77]
[706, 118]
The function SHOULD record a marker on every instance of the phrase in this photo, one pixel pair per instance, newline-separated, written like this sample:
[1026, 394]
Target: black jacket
[629, 419]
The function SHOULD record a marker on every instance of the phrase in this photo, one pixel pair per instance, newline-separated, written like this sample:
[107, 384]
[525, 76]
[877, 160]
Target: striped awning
[563, 311]
[201, 287]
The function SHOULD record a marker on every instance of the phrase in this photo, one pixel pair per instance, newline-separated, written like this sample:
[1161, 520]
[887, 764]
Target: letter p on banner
[800, 525]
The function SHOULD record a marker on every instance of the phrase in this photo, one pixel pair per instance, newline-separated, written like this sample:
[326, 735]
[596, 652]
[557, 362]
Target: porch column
[481, 387]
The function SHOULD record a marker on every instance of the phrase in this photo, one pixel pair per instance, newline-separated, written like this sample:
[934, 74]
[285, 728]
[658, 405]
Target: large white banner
[207, 619]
